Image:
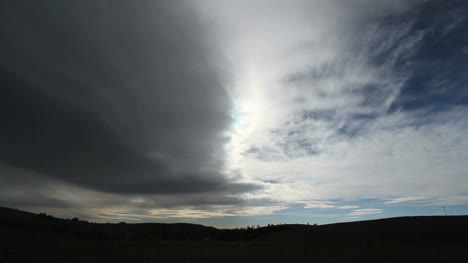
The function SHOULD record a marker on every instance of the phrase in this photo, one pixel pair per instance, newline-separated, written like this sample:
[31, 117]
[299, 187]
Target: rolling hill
[28, 237]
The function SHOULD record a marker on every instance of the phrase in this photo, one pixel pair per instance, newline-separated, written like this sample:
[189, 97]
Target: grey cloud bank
[117, 96]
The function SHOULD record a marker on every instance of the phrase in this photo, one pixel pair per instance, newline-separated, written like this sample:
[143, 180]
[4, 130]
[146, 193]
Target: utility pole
[444, 211]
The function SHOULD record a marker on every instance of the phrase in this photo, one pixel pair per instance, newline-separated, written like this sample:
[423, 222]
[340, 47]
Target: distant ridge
[417, 229]
[414, 229]
[13, 219]
[27, 237]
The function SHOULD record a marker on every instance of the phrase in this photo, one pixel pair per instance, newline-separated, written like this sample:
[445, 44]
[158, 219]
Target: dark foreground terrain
[27, 237]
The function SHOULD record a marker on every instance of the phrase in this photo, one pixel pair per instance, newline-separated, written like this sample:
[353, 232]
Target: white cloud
[319, 205]
[301, 76]
[407, 199]
[348, 207]
[291, 57]
[366, 211]
[388, 163]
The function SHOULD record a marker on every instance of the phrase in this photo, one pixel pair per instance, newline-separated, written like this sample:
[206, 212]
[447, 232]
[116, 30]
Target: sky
[233, 113]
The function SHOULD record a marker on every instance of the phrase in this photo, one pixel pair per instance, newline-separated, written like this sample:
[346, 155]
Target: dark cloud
[118, 96]
[19, 189]
[31, 200]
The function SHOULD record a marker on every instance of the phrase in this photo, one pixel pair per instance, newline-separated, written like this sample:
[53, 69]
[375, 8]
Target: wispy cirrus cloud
[337, 109]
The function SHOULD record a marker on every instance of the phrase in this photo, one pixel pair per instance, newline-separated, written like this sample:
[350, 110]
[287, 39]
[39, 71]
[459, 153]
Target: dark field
[26, 237]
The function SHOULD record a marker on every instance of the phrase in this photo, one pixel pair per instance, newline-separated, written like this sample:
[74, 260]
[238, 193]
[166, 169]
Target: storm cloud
[117, 96]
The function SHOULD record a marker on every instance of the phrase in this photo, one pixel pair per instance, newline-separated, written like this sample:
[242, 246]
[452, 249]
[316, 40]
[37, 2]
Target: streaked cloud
[348, 207]
[407, 200]
[318, 205]
[366, 211]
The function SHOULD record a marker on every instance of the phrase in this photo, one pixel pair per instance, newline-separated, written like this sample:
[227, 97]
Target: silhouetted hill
[28, 237]
[420, 229]
[46, 224]
[415, 230]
